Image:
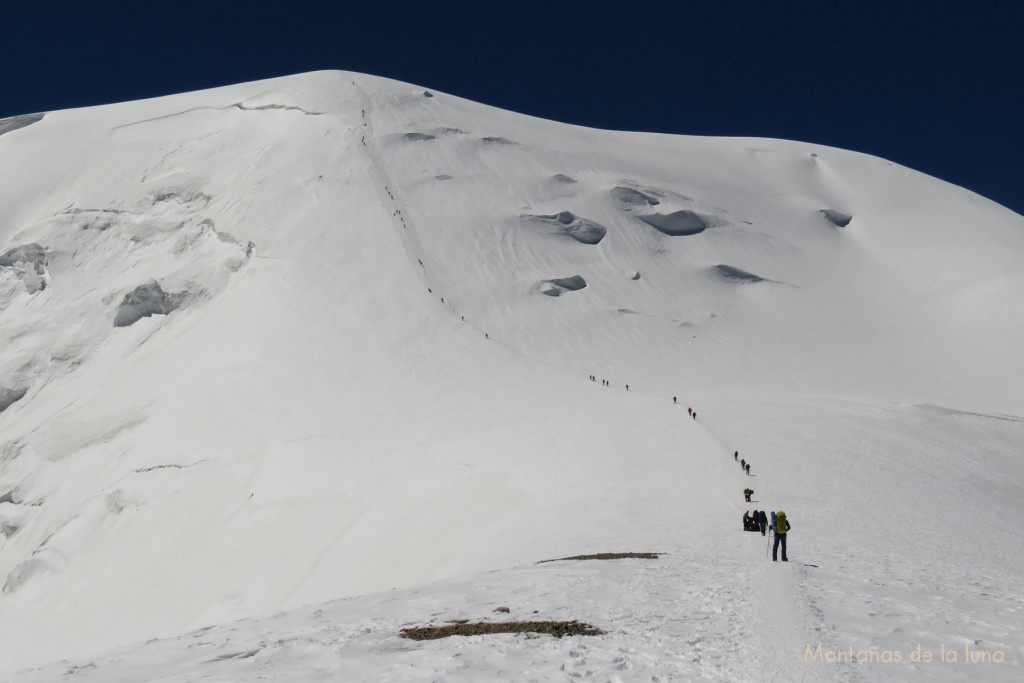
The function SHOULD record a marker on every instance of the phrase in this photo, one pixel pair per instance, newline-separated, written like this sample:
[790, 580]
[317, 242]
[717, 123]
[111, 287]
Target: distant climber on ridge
[747, 493]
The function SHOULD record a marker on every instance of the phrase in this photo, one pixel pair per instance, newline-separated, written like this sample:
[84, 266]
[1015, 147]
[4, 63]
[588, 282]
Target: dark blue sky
[937, 86]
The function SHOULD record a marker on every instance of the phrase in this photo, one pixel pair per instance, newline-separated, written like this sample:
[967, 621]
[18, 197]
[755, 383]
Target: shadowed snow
[837, 218]
[32, 254]
[571, 225]
[680, 223]
[560, 286]
[15, 122]
[736, 274]
[631, 197]
[146, 300]
[9, 396]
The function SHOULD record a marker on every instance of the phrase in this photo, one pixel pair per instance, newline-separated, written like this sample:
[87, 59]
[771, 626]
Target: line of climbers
[758, 520]
[401, 218]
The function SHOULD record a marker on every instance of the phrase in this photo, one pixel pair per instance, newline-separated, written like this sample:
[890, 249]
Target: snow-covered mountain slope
[328, 335]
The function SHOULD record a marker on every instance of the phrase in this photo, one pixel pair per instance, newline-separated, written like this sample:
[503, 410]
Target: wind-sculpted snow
[16, 122]
[168, 209]
[632, 197]
[32, 254]
[837, 218]
[432, 134]
[144, 301]
[95, 219]
[28, 264]
[497, 140]
[24, 572]
[969, 414]
[576, 227]
[190, 198]
[9, 396]
[680, 223]
[118, 503]
[10, 451]
[559, 286]
[736, 274]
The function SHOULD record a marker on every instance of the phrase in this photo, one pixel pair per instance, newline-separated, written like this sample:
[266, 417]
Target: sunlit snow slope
[329, 335]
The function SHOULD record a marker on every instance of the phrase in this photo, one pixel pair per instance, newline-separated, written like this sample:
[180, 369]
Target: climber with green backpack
[780, 525]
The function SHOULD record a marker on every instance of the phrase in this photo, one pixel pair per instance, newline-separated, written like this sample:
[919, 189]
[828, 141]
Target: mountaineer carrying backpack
[747, 493]
[781, 526]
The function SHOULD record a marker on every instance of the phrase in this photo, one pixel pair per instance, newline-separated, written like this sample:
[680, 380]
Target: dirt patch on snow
[558, 629]
[608, 556]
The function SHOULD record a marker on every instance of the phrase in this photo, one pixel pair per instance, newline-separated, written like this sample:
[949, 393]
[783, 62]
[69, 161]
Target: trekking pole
[769, 544]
